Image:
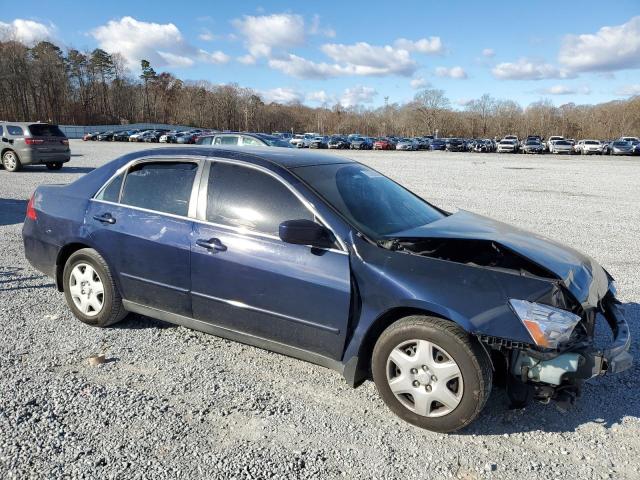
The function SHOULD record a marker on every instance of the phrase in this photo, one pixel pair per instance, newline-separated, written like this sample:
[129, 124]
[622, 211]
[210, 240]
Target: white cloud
[360, 59]
[419, 82]
[282, 95]
[26, 31]
[565, 90]
[321, 97]
[161, 44]
[217, 57]
[317, 29]
[488, 52]
[357, 95]
[463, 102]
[264, 33]
[453, 72]
[207, 36]
[628, 90]
[364, 59]
[247, 59]
[611, 48]
[431, 45]
[525, 69]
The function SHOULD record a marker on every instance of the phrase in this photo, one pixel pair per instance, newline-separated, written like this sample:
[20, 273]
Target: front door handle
[211, 244]
[105, 218]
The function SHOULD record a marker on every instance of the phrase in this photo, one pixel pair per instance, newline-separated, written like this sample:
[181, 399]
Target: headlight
[548, 326]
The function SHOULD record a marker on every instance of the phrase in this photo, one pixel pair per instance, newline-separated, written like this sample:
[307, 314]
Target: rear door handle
[105, 218]
[211, 244]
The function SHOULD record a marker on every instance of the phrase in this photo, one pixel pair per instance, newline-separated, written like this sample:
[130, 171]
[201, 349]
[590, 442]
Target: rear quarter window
[111, 193]
[15, 130]
[45, 130]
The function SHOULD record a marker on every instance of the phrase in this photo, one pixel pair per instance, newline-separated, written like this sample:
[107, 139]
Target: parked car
[635, 144]
[105, 136]
[320, 142]
[302, 140]
[456, 145]
[407, 144]
[327, 260]
[508, 146]
[482, 146]
[533, 145]
[561, 146]
[123, 135]
[361, 143]
[90, 136]
[551, 140]
[587, 147]
[27, 143]
[384, 144]
[339, 142]
[621, 147]
[136, 136]
[438, 144]
[244, 139]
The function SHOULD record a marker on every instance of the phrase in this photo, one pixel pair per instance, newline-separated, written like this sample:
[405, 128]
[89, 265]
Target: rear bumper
[34, 157]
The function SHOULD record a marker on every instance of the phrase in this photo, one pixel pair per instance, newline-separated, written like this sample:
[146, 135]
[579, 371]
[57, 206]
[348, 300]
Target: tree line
[47, 83]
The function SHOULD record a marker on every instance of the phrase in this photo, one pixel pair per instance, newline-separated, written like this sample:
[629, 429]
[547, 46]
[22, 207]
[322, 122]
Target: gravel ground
[171, 402]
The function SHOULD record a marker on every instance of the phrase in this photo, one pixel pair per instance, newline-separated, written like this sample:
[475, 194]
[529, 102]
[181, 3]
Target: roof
[284, 157]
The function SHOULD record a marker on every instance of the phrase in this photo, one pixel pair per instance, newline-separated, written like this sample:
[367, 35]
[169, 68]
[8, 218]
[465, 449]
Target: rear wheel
[54, 165]
[431, 373]
[10, 161]
[90, 291]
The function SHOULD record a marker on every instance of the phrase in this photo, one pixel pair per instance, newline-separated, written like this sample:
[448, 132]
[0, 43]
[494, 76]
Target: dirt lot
[176, 403]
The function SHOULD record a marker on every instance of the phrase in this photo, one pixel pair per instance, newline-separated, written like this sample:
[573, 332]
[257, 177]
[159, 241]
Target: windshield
[371, 202]
[562, 142]
[591, 142]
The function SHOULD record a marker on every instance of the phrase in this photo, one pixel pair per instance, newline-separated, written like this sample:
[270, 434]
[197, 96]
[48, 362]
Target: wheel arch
[8, 149]
[63, 255]
[358, 368]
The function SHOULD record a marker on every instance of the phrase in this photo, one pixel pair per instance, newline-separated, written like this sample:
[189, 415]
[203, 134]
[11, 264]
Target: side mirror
[304, 232]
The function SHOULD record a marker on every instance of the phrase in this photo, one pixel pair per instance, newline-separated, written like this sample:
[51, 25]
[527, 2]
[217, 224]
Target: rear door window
[15, 130]
[227, 140]
[160, 186]
[45, 130]
[250, 141]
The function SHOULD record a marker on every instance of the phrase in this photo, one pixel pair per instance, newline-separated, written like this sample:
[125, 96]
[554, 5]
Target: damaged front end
[558, 374]
[560, 321]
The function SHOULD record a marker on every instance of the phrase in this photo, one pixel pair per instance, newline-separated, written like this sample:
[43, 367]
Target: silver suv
[28, 143]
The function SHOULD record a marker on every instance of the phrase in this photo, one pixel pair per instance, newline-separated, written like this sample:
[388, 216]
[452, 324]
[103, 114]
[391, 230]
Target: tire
[111, 310]
[54, 166]
[10, 161]
[442, 345]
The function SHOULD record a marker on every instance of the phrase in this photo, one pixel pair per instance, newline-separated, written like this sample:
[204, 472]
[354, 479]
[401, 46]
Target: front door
[244, 278]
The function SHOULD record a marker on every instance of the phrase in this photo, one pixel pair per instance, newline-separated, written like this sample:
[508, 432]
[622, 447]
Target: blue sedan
[324, 259]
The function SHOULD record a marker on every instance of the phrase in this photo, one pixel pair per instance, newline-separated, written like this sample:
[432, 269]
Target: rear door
[244, 278]
[140, 223]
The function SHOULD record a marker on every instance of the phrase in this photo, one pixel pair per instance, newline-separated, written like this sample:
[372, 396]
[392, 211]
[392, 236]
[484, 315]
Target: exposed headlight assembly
[548, 326]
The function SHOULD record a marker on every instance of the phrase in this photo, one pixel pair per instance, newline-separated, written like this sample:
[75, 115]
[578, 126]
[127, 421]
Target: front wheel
[431, 373]
[90, 291]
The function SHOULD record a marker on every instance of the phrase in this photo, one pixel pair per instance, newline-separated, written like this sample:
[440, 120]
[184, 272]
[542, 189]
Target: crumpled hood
[582, 276]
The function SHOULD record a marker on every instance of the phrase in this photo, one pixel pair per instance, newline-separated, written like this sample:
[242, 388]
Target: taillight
[31, 212]
[33, 141]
